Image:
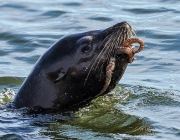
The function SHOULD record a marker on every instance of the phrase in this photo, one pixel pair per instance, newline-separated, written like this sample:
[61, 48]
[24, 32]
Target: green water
[146, 102]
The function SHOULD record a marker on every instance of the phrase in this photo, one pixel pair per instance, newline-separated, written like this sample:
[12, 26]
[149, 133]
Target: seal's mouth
[127, 48]
[113, 43]
[119, 42]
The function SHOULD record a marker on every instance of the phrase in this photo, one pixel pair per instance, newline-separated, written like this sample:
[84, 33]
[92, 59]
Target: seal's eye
[86, 48]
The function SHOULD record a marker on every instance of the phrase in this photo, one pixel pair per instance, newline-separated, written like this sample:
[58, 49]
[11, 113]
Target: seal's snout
[127, 25]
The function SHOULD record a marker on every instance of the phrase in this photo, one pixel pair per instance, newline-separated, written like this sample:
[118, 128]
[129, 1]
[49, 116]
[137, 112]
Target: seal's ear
[56, 76]
[60, 76]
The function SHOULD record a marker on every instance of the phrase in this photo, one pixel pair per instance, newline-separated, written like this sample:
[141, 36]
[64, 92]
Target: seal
[78, 68]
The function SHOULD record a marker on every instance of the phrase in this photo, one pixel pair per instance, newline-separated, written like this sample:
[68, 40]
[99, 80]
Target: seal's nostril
[127, 25]
[125, 22]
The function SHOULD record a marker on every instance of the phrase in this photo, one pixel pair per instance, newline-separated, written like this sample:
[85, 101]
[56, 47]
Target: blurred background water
[146, 102]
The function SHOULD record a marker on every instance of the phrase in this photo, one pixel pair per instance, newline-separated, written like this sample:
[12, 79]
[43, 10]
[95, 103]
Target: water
[145, 103]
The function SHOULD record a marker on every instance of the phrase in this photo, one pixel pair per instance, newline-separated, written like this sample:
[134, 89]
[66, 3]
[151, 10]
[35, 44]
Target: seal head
[72, 72]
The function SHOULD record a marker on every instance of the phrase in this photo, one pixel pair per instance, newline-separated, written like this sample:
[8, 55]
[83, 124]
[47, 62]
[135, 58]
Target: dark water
[145, 104]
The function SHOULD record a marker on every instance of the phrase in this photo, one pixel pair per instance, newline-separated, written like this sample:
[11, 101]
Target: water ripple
[54, 14]
[149, 111]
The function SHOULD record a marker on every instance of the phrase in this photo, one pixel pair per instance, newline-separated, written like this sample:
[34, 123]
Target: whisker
[110, 42]
[134, 33]
[95, 61]
[104, 50]
[111, 47]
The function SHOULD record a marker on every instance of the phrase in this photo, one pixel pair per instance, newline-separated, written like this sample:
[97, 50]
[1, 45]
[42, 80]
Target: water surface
[145, 103]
